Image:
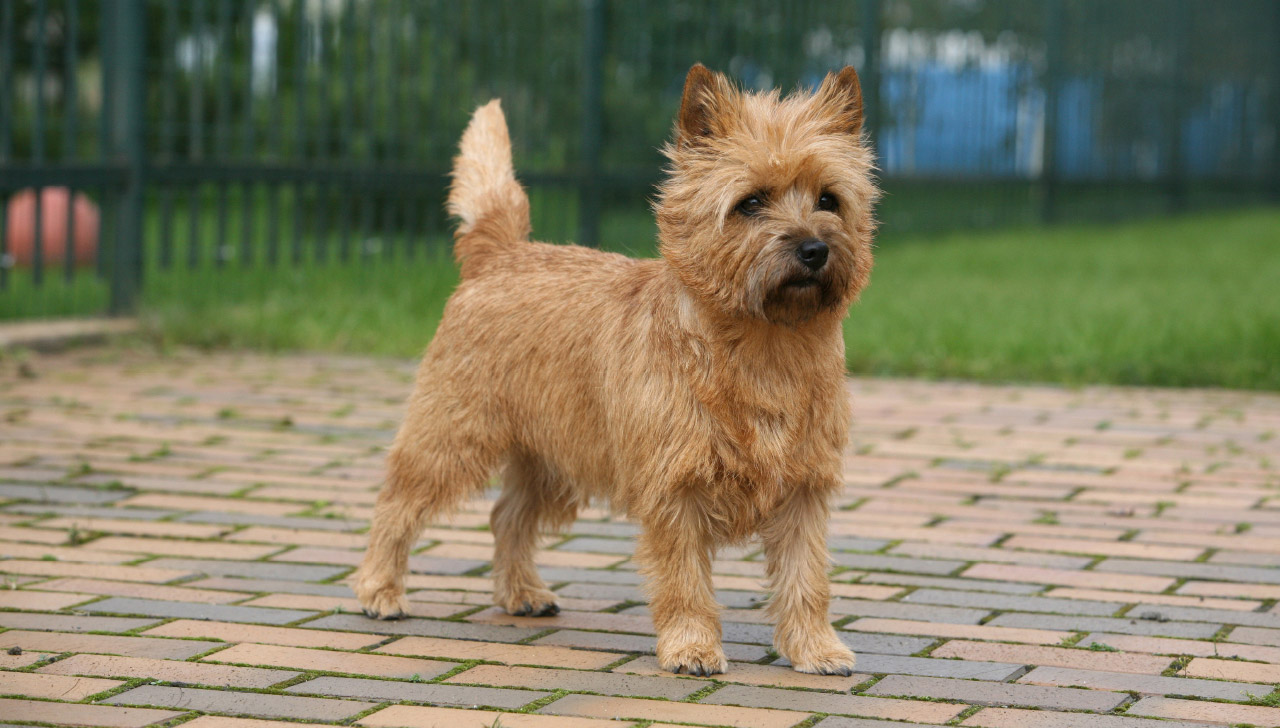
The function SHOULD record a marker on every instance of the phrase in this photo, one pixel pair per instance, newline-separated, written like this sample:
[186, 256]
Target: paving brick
[749, 673]
[424, 628]
[959, 631]
[251, 519]
[70, 623]
[81, 513]
[40, 601]
[1007, 602]
[1239, 605]
[604, 683]
[108, 524]
[148, 573]
[1017, 718]
[1164, 646]
[228, 701]
[996, 555]
[348, 604]
[988, 693]
[167, 671]
[878, 562]
[498, 652]
[233, 583]
[593, 706]
[250, 569]
[382, 690]
[859, 705]
[1061, 577]
[999, 587]
[637, 643]
[883, 644]
[99, 716]
[220, 612]
[332, 661]
[175, 502]
[1232, 670]
[1084, 659]
[59, 494]
[1184, 570]
[902, 610]
[836, 721]
[104, 644]
[1104, 548]
[900, 665]
[54, 687]
[1218, 616]
[142, 591]
[23, 659]
[175, 547]
[219, 721]
[1123, 625]
[289, 636]
[1214, 713]
[1143, 684]
[414, 716]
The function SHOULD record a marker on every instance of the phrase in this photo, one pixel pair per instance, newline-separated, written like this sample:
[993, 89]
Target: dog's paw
[831, 660]
[533, 603]
[694, 659]
[388, 602]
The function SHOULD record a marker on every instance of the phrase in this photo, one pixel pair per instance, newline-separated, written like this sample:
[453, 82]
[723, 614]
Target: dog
[701, 392]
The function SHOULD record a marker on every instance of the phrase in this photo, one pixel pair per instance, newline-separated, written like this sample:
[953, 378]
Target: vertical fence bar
[195, 132]
[1275, 102]
[167, 132]
[347, 35]
[1178, 89]
[1053, 30]
[222, 124]
[37, 138]
[6, 129]
[69, 107]
[300, 123]
[126, 19]
[592, 121]
[871, 69]
[275, 142]
[247, 187]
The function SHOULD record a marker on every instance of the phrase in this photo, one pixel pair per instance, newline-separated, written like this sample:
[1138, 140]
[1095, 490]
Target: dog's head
[767, 208]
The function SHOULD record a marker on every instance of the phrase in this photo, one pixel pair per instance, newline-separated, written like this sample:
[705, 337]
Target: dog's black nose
[813, 253]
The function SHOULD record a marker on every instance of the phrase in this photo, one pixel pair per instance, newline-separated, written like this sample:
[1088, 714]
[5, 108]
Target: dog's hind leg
[436, 463]
[532, 500]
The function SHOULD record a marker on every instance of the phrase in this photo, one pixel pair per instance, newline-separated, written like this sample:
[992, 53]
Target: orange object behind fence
[54, 201]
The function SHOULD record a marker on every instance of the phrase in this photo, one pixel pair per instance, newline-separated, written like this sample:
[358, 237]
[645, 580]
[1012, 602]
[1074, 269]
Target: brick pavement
[176, 530]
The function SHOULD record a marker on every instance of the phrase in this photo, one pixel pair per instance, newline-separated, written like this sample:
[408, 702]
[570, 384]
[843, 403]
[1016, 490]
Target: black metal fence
[161, 136]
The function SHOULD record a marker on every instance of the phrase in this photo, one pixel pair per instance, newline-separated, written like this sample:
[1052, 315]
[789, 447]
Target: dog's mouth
[800, 283]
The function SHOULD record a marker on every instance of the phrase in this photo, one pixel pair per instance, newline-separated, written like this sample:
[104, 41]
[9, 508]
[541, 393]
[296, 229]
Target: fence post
[1275, 103]
[1054, 20]
[1178, 90]
[592, 121]
[124, 33]
[871, 69]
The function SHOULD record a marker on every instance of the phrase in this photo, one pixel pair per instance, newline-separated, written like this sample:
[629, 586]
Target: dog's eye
[828, 202]
[750, 206]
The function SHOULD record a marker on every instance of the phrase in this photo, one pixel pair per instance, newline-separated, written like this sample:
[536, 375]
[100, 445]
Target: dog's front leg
[676, 560]
[795, 541]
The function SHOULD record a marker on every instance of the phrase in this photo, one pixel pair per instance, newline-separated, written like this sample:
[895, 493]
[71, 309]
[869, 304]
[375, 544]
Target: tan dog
[702, 393]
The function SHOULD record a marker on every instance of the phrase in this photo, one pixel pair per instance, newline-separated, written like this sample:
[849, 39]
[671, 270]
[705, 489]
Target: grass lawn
[1187, 301]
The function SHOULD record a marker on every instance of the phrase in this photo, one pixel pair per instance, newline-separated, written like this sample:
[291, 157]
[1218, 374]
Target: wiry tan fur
[701, 392]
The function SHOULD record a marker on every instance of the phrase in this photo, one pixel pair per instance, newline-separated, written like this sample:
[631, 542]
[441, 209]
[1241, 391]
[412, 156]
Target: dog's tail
[492, 207]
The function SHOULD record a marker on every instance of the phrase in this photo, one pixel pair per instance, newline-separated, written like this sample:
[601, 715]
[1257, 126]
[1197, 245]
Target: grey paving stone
[604, 683]
[836, 721]
[1145, 684]
[617, 529]
[1078, 720]
[423, 628]
[1202, 614]
[760, 697]
[380, 690]
[996, 555]
[1248, 558]
[103, 644]
[136, 514]
[450, 567]
[195, 610]
[902, 610]
[761, 634]
[556, 574]
[237, 703]
[60, 494]
[877, 562]
[609, 642]
[249, 519]
[883, 644]
[1256, 636]
[599, 546]
[856, 544]
[252, 569]
[1011, 603]
[70, 622]
[618, 592]
[231, 583]
[1000, 587]
[926, 667]
[988, 693]
[1192, 570]
[163, 485]
[1123, 625]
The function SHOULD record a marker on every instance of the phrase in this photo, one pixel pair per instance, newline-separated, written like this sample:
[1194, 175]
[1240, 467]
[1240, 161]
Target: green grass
[1185, 301]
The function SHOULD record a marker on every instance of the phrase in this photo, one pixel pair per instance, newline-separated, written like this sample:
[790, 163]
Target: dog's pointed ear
[843, 94]
[702, 90]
